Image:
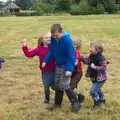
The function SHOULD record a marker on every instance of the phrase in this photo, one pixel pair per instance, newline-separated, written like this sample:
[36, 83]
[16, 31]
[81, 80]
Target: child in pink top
[47, 72]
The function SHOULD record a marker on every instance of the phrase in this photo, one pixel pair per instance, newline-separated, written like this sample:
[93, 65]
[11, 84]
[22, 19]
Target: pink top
[40, 51]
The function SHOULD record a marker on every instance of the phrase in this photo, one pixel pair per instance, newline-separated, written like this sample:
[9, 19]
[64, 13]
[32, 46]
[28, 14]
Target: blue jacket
[63, 52]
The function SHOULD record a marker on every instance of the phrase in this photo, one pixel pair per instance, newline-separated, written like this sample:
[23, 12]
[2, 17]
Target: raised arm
[27, 52]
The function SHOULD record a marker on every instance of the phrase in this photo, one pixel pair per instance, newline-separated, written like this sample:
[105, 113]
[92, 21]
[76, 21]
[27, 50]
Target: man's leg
[58, 93]
[65, 86]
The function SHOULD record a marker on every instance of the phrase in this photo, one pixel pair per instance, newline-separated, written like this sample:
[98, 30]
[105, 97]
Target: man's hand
[68, 73]
[76, 63]
[43, 64]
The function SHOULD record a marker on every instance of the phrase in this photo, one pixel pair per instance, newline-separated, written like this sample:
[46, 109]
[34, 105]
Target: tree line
[74, 7]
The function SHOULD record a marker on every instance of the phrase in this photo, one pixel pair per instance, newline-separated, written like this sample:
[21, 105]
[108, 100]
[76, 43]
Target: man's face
[56, 35]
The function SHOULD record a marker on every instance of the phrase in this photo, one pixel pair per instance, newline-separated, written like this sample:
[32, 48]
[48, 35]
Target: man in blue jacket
[62, 50]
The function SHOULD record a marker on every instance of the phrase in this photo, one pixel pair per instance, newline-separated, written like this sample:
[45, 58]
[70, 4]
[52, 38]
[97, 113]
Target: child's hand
[76, 63]
[43, 64]
[68, 73]
[24, 42]
[93, 66]
[82, 56]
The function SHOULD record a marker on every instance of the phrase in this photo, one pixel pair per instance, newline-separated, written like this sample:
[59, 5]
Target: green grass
[21, 89]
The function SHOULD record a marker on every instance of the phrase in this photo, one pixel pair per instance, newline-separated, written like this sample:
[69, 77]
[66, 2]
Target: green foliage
[29, 13]
[1, 4]
[112, 6]
[24, 4]
[100, 9]
[75, 9]
[23, 14]
[43, 8]
[84, 7]
[77, 1]
[80, 9]
[63, 5]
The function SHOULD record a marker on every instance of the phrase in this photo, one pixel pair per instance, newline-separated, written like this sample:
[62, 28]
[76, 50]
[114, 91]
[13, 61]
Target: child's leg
[75, 79]
[95, 96]
[94, 91]
[47, 78]
[47, 94]
[101, 95]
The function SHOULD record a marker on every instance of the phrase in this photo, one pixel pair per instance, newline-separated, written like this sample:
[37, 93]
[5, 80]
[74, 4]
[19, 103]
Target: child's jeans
[95, 91]
[48, 78]
[48, 81]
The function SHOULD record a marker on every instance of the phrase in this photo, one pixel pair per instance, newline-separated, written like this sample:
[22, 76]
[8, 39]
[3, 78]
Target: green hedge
[28, 13]
[23, 14]
[74, 10]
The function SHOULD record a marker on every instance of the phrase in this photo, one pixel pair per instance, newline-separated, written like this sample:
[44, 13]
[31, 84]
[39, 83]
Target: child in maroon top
[77, 73]
[47, 72]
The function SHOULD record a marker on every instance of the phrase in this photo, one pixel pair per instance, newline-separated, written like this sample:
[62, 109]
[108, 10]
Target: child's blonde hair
[40, 38]
[98, 46]
[77, 42]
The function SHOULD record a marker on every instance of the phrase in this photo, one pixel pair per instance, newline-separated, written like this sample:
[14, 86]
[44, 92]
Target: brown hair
[40, 40]
[77, 42]
[56, 27]
[98, 46]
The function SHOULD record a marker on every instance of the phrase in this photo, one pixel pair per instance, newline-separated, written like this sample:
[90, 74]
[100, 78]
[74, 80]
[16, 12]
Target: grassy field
[21, 90]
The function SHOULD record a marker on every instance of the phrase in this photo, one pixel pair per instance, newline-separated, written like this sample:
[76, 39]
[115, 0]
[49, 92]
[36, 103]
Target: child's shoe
[96, 105]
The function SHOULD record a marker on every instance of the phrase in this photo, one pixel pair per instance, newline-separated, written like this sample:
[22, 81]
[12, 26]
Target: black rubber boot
[58, 100]
[96, 105]
[73, 99]
[46, 99]
[47, 95]
[58, 97]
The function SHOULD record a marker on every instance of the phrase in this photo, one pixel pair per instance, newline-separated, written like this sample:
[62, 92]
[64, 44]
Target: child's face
[56, 35]
[93, 50]
[46, 38]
